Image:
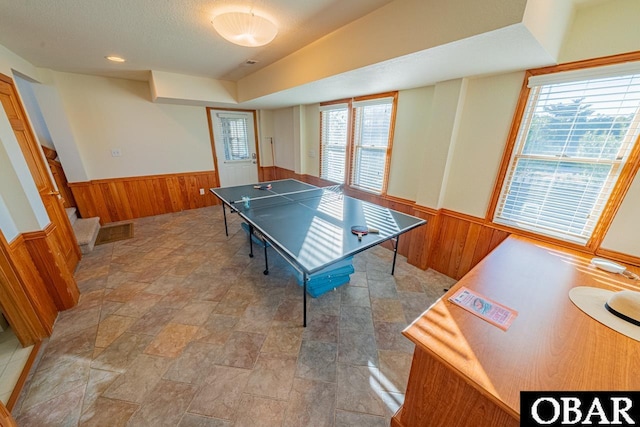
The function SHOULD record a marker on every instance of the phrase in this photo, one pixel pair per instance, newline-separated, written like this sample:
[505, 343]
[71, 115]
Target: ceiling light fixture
[113, 58]
[245, 28]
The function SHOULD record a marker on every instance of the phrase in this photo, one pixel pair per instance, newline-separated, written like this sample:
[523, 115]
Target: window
[575, 136]
[372, 124]
[334, 124]
[233, 129]
[360, 148]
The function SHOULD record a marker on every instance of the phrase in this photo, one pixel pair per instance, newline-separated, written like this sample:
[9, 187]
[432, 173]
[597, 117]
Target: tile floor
[13, 358]
[179, 327]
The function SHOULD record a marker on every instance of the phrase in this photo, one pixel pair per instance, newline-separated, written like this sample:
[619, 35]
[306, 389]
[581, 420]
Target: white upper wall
[548, 21]
[107, 114]
[32, 108]
[59, 129]
[402, 27]
[23, 209]
[266, 131]
[442, 128]
[484, 126]
[17, 186]
[623, 235]
[603, 29]
[191, 90]
[284, 138]
[310, 149]
[410, 142]
[7, 226]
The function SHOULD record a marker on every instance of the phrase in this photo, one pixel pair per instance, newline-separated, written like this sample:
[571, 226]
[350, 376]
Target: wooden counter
[467, 372]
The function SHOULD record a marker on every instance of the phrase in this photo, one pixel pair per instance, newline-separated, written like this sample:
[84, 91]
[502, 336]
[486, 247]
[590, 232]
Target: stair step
[86, 231]
[72, 213]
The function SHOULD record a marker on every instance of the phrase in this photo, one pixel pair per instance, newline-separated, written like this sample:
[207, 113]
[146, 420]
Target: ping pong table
[309, 226]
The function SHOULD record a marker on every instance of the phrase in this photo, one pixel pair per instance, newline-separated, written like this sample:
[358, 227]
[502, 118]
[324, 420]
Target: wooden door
[63, 235]
[6, 420]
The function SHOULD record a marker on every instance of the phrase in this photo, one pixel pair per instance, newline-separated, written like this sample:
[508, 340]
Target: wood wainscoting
[24, 297]
[451, 243]
[120, 199]
[51, 265]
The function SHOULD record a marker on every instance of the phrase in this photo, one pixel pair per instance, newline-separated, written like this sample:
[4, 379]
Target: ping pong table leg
[304, 300]
[266, 262]
[250, 241]
[395, 254]
[224, 214]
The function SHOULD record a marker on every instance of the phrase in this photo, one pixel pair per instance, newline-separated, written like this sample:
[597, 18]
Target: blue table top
[312, 225]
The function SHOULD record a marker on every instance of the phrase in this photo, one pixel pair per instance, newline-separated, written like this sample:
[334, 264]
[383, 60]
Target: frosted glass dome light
[245, 28]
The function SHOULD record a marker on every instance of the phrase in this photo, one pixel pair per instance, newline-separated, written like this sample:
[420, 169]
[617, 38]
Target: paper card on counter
[485, 308]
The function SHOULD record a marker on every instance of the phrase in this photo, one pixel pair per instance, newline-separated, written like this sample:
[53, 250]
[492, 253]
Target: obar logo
[579, 408]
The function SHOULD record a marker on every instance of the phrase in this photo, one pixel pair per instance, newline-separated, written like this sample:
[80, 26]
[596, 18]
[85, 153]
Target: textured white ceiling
[177, 36]
[165, 35]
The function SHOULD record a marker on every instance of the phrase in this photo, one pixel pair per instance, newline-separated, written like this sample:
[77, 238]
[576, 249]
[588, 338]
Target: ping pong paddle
[362, 230]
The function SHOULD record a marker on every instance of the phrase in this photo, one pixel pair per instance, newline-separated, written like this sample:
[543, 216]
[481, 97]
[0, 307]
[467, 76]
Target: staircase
[85, 229]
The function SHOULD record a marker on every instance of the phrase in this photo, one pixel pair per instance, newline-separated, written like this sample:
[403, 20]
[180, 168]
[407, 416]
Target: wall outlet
[115, 152]
[202, 191]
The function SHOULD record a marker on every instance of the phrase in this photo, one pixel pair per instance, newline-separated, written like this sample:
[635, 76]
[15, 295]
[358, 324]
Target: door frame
[54, 250]
[255, 137]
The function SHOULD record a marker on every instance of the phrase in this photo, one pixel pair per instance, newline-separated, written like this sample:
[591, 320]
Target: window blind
[371, 142]
[333, 142]
[574, 139]
[235, 140]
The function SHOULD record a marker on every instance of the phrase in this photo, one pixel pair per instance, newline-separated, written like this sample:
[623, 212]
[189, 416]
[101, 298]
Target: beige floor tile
[241, 350]
[111, 328]
[272, 376]
[108, 412]
[125, 292]
[226, 341]
[283, 338]
[164, 405]
[63, 409]
[195, 363]
[171, 340]
[260, 411]
[121, 352]
[139, 379]
[221, 395]
[217, 329]
[312, 403]
[387, 310]
[195, 313]
[357, 391]
[138, 305]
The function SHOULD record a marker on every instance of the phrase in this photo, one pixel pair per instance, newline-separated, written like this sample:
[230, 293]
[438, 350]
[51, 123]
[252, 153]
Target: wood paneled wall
[462, 241]
[451, 242]
[24, 297]
[50, 263]
[121, 199]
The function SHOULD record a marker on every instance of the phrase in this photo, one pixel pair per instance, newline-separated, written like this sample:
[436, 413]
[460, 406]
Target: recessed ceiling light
[115, 58]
